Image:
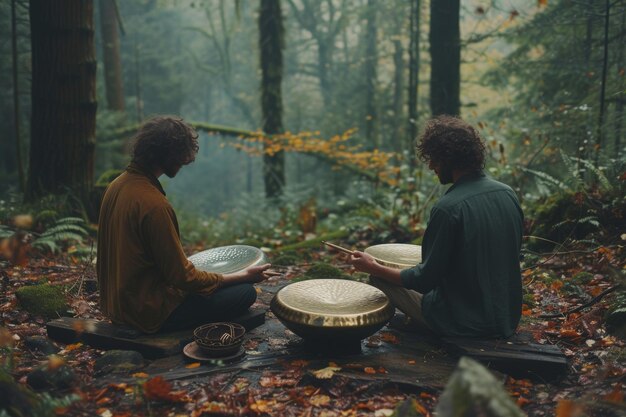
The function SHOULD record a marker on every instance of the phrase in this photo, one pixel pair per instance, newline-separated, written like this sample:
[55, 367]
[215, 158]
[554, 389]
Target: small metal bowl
[219, 339]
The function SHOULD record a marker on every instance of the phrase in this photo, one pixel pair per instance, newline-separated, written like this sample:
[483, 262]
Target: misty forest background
[308, 112]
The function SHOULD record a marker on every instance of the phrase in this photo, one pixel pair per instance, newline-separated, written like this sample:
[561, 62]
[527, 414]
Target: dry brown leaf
[569, 408]
[318, 400]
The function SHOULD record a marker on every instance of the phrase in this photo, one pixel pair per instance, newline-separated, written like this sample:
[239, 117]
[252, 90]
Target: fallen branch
[580, 307]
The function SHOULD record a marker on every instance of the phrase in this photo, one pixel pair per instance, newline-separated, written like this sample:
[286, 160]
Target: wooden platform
[104, 335]
[517, 356]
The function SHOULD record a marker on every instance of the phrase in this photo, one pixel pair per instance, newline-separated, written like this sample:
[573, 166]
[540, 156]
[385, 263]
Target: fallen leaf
[159, 389]
[55, 362]
[569, 408]
[299, 363]
[193, 365]
[6, 338]
[369, 370]
[617, 395]
[326, 373]
[389, 338]
[73, 346]
[277, 381]
[318, 400]
[262, 406]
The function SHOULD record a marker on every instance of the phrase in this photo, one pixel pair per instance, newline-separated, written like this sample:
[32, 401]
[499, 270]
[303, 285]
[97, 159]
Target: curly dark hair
[452, 142]
[164, 141]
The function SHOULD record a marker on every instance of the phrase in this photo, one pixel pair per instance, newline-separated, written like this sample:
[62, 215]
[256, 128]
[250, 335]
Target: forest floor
[565, 285]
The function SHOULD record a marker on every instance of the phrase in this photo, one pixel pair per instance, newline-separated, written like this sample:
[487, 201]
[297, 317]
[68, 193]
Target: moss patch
[322, 270]
[288, 258]
[42, 300]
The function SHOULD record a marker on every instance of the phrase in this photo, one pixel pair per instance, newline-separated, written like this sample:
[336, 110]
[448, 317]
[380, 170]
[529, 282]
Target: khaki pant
[405, 300]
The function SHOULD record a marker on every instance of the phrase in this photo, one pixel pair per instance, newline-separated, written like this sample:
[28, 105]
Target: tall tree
[371, 61]
[324, 22]
[63, 93]
[109, 24]
[414, 68]
[16, 98]
[271, 45]
[445, 52]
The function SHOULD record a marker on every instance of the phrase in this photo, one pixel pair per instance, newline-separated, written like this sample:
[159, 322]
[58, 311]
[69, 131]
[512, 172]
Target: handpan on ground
[332, 309]
[228, 259]
[396, 255]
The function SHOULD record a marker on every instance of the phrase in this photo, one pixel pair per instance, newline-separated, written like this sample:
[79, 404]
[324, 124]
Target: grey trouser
[405, 300]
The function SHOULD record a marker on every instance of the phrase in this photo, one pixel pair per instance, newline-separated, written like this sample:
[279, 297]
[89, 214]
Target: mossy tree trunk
[445, 51]
[271, 40]
[63, 123]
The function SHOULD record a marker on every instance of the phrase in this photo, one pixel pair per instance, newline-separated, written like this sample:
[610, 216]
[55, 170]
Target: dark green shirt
[470, 270]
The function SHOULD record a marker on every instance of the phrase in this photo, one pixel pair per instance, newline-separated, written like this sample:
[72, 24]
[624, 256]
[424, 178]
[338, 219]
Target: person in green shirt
[469, 282]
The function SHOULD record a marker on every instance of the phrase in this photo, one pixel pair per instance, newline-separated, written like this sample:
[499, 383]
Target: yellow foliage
[335, 149]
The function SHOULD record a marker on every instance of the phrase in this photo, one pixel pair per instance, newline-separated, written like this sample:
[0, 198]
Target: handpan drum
[396, 255]
[228, 259]
[332, 309]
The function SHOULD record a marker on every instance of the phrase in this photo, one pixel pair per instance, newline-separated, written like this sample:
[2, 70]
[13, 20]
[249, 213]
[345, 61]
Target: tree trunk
[16, 99]
[111, 55]
[371, 59]
[398, 88]
[271, 41]
[445, 51]
[64, 104]
[605, 67]
[414, 67]
[621, 97]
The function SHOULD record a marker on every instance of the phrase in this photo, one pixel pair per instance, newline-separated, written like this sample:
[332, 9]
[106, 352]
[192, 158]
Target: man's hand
[259, 273]
[250, 275]
[364, 262]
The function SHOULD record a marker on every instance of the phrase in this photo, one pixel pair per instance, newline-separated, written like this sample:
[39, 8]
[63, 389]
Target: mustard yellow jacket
[143, 273]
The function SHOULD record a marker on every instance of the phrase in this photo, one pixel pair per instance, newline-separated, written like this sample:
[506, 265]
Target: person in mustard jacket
[145, 279]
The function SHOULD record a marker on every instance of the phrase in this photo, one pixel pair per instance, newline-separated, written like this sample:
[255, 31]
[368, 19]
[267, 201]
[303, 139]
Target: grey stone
[44, 378]
[118, 361]
[40, 344]
[473, 391]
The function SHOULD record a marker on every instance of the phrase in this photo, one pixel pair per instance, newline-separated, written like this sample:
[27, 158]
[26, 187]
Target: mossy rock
[16, 399]
[108, 176]
[42, 300]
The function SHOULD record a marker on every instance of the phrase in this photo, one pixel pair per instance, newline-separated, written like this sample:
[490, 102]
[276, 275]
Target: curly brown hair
[165, 141]
[453, 142]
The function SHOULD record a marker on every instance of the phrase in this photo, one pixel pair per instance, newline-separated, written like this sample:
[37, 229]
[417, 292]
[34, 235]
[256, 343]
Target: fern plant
[5, 231]
[68, 229]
